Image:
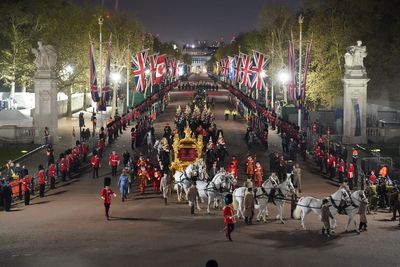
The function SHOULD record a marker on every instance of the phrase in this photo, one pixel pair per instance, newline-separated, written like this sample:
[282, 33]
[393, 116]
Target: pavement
[68, 227]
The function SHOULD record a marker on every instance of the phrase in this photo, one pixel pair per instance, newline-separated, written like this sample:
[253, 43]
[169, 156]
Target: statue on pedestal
[46, 56]
[354, 57]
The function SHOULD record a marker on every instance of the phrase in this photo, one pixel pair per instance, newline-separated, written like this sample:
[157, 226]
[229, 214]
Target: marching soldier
[106, 194]
[113, 161]
[63, 167]
[26, 188]
[41, 180]
[95, 163]
[52, 175]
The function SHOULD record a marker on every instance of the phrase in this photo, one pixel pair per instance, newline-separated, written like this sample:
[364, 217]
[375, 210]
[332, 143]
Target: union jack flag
[238, 63]
[139, 70]
[246, 69]
[93, 77]
[225, 66]
[106, 93]
[259, 68]
[153, 68]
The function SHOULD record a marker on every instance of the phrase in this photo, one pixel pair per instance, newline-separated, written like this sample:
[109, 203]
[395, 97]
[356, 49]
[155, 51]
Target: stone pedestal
[355, 106]
[46, 113]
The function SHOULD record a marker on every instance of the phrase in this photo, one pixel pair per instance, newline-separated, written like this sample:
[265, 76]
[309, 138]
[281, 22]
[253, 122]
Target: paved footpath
[68, 228]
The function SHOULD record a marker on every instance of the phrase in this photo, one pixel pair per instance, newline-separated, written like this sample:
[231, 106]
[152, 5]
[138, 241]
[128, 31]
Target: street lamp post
[116, 77]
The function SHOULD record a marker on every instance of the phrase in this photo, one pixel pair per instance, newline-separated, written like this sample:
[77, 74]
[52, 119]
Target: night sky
[184, 21]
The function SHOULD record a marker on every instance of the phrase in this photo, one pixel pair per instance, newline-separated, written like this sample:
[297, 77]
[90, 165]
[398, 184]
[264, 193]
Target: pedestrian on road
[6, 195]
[227, 113]
[326, 215]
[41, 180]
[362, 210]
[52, 176]
[164, 187]
[113, 161]
[193, 197]
[229, 216]
[249, 206]
[106, 194]
[95, 163]
[123, 184]
[297, 177]
[26, 188]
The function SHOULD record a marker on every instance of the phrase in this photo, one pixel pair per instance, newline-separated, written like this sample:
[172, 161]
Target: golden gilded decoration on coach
[186, 150]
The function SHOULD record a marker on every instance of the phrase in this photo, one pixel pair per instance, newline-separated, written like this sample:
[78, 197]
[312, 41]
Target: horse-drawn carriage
[186, 151]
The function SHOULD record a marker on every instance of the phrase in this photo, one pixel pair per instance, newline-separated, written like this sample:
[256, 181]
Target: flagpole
[272, 78]
[127, 80]
[301, 18]
[101, 66]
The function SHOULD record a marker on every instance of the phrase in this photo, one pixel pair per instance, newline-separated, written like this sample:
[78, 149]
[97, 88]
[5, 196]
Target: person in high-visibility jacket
[354, 155]
[234, 114]
[227, 113]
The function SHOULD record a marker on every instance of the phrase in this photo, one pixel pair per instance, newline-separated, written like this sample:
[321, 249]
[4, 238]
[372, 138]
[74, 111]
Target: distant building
[201, 52]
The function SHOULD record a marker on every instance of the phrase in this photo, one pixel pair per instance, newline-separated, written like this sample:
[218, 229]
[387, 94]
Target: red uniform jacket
[41, 176]
[157, 176]
[107, 193]
[95, 161]
[259, 173]
[113, 160]
[233, 170]
[250, 167]
[52, 170]
[84, 148]
[341, 166]
[63, 165]
[26, 183]
[350, 172]
[229, 215]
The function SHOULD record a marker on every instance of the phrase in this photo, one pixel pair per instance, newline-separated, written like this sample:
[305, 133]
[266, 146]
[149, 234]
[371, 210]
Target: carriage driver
[275, 182]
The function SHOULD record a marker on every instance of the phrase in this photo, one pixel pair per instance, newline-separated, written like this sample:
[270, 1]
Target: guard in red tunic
[63, 167]
[141, 163]
[100, 147]
[133, 138]
[95, 163]
[229, 220]
[259, 172]
[52, 176]
[113, 161]
[157, 175]
[106, 194]
[41, 180]
[350, 175]
[143, 176]
[26, 187]
[84, 150]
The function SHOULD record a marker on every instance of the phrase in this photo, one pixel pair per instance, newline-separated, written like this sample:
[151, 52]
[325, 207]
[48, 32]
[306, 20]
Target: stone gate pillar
[355, 96]
[45, 84]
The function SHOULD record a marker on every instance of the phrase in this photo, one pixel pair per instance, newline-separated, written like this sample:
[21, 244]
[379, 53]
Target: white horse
[183, 180]
[263, 195]
[215, 190]
[352, 208]
[202, 170]
[307, 204]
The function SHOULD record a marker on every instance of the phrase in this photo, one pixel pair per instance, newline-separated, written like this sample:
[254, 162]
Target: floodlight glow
[147, 72]
[283, 77]
[116, 76]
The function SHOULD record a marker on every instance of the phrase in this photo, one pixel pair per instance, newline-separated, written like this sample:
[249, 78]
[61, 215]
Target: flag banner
[139, 70]
[101, 105]
[93, 77]
[225, 67]
[161, 69]
[238, 72]
[245, 68]
[231, 72]
[292, 72]
[307, 62]
[153, 68]
[106, 93]
[259, 69]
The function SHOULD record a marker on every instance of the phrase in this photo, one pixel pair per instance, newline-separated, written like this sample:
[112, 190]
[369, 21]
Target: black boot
[165, 201]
